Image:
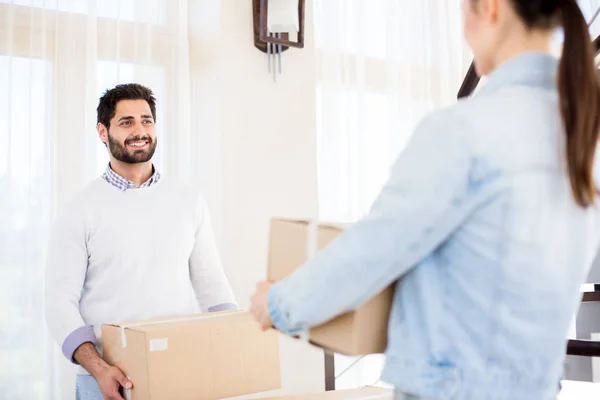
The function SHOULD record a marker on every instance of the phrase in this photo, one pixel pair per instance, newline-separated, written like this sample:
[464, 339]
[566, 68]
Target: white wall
[256, 151]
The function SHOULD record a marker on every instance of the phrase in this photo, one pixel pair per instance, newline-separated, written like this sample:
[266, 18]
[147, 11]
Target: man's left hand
[259, 308]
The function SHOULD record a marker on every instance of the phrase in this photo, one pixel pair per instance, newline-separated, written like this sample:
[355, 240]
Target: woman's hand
[259, 308]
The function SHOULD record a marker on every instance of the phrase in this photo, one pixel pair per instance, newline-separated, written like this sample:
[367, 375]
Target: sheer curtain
[56, 59]
[382, 65]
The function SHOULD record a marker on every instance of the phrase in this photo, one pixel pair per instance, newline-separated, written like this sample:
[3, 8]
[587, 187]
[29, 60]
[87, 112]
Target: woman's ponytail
[579, 101]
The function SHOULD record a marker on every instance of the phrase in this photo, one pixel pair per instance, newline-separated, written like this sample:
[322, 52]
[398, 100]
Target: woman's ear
[490, 8]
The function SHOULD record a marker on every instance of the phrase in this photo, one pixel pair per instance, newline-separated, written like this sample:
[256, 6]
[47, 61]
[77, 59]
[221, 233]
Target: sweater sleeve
[66, 267]
[210, 284]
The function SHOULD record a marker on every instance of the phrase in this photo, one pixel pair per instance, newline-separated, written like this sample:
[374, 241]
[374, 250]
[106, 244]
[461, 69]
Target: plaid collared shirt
[124, 184]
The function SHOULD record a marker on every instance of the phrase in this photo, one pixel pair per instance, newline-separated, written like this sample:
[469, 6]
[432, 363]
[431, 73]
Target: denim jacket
[478, 229]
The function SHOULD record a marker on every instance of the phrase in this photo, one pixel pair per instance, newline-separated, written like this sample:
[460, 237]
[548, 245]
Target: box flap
[154, 324]
[291, 242]
[339, 225]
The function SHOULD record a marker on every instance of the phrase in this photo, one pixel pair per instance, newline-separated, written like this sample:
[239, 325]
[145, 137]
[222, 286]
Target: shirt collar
[124, 184]
[528, 69]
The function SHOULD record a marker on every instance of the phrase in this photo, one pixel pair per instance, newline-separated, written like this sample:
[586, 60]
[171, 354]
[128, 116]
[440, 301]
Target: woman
[488, 222]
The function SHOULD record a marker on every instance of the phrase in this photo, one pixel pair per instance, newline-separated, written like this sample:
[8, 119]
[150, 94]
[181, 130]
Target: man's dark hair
[131, 91]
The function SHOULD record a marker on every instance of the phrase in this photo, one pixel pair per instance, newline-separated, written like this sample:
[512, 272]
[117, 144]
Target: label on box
[161, 344]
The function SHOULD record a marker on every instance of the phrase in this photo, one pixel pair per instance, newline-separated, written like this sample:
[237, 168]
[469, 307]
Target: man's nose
[139, 130]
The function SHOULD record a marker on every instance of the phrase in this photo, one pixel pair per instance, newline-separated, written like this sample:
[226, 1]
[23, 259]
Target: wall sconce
[274, 22]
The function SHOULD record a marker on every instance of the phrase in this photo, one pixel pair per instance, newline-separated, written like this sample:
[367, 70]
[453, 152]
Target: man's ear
[102, 132]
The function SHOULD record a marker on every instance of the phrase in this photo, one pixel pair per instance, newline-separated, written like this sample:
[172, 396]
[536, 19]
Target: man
[132, 245]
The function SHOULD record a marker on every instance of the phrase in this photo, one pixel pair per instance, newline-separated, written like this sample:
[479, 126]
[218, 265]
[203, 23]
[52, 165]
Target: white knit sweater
[124, 255]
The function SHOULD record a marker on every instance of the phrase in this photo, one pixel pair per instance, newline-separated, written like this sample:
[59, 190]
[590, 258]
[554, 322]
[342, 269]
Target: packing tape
[182, 319]
[312, 240]
[312, 236]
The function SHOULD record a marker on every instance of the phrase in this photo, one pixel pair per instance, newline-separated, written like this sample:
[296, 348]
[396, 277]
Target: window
[25, 179]
[126, 10]
[368, 38]
[57, 57]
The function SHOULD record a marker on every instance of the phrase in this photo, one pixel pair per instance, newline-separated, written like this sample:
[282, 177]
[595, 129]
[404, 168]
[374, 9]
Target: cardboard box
[363, 331]
[365, 393]
[201, 356]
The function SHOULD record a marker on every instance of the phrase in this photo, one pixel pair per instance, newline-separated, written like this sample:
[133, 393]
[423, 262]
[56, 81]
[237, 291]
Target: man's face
[131, 137]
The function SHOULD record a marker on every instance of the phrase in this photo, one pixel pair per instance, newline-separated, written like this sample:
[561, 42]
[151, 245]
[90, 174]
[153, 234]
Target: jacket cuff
[279, 317]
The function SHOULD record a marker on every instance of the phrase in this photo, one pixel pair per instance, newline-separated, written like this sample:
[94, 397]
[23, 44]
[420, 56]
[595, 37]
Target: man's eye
[148, 121]
[126, 123]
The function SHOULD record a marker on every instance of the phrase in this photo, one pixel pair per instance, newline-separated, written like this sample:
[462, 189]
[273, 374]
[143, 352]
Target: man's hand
[259, 308]
[109, 378]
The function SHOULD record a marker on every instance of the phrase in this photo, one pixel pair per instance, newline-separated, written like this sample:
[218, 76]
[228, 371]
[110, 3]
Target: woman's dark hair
[578, 87]
[132, 91]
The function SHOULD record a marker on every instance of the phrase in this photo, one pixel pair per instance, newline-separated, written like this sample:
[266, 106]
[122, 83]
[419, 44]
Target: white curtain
[56, 59]
[382, 65]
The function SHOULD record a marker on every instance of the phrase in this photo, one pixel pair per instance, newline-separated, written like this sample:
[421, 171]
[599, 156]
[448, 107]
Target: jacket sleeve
[416, 210]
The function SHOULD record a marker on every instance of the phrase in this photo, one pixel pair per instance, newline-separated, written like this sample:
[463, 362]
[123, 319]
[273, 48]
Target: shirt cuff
[223, 307]
[78, 337]
[280, 318]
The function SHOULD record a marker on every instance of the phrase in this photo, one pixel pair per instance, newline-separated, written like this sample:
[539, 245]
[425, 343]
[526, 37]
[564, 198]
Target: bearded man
[131, 246]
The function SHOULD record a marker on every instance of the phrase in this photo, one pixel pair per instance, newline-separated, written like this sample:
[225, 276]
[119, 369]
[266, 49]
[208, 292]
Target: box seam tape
[312, 234]
[312, 240]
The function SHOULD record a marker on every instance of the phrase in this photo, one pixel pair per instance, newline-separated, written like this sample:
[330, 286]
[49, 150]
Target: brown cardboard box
[202, 356]
[363, 331]
[364, 393]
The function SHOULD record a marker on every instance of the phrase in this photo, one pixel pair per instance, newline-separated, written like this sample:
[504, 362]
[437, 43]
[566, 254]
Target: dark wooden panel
[585, 348]
[329, 371]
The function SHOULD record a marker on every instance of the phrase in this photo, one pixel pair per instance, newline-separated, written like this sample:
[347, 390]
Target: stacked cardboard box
[362, 331]
[202, 356]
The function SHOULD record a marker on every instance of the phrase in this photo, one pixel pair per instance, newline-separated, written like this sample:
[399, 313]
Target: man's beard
[122, 153]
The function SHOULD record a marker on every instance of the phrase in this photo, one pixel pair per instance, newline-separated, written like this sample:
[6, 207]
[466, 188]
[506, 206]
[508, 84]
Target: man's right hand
[109, 378]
